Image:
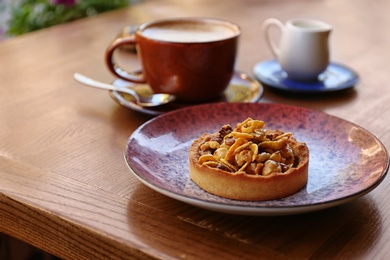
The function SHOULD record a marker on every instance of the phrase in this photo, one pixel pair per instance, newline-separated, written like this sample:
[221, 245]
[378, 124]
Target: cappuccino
[190, 31]
[191, 58]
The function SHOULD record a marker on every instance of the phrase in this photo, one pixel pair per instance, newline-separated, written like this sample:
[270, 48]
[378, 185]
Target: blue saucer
[336, 77]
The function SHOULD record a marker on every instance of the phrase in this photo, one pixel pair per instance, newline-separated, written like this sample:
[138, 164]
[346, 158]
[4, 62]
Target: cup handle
[265, 29]
[115, 68]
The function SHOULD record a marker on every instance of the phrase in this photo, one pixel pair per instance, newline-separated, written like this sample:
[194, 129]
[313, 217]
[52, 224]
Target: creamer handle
[265, 29]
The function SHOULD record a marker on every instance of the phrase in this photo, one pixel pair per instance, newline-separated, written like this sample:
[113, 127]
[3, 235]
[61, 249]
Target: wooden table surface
[64, 185]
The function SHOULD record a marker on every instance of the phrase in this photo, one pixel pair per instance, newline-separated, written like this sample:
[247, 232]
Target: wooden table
[64, 185]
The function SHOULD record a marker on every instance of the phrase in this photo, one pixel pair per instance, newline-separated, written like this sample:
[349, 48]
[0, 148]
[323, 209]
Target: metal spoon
[144, 101]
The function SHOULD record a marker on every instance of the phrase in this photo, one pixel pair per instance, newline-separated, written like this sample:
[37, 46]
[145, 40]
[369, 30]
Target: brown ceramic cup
[192, 58]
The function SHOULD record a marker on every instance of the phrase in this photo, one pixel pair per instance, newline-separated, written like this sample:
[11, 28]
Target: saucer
[336, 77]
[242, 88]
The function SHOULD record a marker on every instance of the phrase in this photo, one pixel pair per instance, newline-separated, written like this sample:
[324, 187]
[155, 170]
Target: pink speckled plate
[346, 161]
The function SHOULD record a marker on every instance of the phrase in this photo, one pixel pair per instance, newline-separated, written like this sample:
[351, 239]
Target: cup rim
[236, 28]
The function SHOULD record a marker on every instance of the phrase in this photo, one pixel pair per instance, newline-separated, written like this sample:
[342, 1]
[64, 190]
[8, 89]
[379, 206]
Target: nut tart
[249, 162]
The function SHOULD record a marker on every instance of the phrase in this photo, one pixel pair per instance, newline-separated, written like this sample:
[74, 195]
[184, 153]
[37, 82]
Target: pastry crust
[243, 186]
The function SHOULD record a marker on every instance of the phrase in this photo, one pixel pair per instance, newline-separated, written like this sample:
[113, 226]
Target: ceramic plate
[346, 161]
[336, 77]
[242, 88]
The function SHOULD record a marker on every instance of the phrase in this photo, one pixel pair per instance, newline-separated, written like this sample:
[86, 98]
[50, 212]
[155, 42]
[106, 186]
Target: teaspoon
[144, 101]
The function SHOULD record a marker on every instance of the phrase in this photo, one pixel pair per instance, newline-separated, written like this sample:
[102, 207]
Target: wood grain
[64, 186]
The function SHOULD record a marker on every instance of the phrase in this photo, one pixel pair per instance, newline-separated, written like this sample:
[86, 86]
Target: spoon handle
[97, 84]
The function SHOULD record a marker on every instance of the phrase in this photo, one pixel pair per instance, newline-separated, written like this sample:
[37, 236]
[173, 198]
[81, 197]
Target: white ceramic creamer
[303, 50]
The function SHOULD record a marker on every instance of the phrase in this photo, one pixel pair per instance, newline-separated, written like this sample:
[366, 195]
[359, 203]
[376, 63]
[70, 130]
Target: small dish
[336, 77]
[346, 161]
[242, 88]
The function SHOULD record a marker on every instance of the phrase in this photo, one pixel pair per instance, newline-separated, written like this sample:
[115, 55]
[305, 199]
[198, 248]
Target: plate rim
[258, 210]
[253, 209]
[237, 73]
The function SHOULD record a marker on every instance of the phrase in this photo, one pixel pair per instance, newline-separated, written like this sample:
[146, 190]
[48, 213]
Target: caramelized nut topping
[248, 148]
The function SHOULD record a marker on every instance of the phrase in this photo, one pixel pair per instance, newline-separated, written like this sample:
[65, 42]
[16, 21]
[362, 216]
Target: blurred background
[22, 16]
